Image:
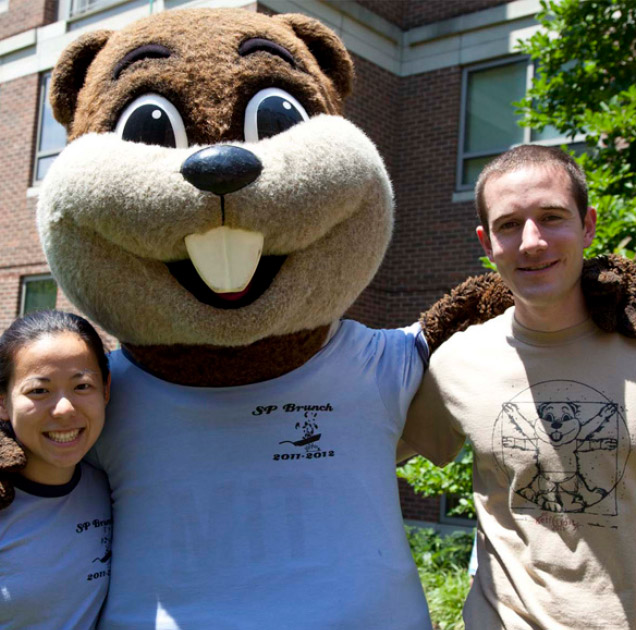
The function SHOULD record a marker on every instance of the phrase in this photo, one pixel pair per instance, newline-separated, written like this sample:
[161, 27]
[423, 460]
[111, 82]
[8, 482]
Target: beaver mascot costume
[215, 213]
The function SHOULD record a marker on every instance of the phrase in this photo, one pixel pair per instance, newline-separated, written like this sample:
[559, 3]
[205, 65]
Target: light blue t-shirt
[55, 554]
[269, 506]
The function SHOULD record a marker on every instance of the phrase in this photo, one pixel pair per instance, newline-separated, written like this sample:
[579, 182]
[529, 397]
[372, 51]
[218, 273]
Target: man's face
[536, 236]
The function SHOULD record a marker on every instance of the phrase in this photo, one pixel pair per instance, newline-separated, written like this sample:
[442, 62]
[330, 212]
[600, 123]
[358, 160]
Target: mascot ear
[326, 47]
[70, 72]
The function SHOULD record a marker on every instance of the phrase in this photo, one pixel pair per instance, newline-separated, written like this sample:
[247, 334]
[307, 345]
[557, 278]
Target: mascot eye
[152, 119]
[270, 112]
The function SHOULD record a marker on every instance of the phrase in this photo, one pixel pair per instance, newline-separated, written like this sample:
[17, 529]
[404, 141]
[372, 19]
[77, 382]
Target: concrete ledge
[467, 39]
[472, 21]
[463, 196]
[17, 42]
[442, 528]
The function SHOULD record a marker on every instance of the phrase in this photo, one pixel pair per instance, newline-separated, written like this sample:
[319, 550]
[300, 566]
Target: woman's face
[55, 402]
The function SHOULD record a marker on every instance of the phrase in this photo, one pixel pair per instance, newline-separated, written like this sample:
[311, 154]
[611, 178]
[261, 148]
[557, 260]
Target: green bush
[446, 592]
[442, 563]
[584, 86]
[434, 552]
[455, 479]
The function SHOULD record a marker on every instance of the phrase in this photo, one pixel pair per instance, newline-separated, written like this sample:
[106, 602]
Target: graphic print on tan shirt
[578, 441]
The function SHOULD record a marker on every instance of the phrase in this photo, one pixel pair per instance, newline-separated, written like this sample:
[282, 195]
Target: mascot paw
[474, 301]
[7, 492]
[609, 286]
[12, 459]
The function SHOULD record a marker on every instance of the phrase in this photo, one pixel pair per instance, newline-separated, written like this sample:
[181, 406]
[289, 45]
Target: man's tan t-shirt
[552, 418]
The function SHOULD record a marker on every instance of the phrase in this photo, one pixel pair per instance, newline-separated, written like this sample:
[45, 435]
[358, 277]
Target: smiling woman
[54, 386]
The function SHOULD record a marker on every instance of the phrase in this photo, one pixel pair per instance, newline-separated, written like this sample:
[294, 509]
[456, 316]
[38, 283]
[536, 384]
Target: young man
[547, 401]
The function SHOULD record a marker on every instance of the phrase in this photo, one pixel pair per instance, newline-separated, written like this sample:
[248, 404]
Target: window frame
[38, 155]
[462, 155]
[445, 519]
[81, 8]
[25, 281]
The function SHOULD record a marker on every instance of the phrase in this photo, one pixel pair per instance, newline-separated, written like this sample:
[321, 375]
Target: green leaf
[584, 85]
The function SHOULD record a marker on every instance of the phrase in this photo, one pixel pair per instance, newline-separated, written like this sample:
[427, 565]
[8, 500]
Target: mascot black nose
[221, 170]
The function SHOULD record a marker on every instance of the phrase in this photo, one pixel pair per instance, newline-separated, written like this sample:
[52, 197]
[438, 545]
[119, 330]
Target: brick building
[435, 82]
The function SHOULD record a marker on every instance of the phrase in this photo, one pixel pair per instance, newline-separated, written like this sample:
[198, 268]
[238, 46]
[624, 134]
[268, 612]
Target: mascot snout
[221, 170]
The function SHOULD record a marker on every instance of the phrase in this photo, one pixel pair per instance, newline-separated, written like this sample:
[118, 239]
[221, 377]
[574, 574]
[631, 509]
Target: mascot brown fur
[199, 131]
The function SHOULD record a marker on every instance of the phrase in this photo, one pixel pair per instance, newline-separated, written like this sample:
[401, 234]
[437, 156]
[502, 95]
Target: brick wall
[372, 108]
[416, 507]
[415, 123]
[420, 13]
[20, 253]
[23, 15]
[434, 245]
[408, 15]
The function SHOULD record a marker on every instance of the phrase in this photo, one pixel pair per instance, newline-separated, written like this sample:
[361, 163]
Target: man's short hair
[531, 154]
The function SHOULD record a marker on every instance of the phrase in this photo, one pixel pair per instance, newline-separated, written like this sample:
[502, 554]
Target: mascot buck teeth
[216, 214]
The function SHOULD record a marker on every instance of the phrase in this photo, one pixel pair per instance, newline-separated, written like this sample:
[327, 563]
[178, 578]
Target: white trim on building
[467, 39]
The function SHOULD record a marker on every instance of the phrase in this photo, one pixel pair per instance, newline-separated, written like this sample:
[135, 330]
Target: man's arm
[404, 452]
[430, 429]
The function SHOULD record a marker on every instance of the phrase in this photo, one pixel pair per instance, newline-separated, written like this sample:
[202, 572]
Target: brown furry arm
[474, 301]
[609, 287]
[12, 459]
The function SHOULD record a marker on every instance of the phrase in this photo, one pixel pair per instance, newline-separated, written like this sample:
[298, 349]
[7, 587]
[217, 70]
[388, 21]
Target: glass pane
[39, 294]
[549, 133]
[452, 501]
[473, 167]
[82, 6]
[579, 148]
[43, 166]
[491, 122]
[52, 134]
[78, 6]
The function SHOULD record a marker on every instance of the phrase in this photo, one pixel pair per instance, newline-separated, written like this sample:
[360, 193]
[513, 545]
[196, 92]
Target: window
[489, 124]
[446, 504]
[51, 135]
[38, 293]
[4, 5]
[459, 477]
[79, 7]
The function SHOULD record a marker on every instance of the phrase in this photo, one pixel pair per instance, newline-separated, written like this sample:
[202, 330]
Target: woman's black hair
[38, 324]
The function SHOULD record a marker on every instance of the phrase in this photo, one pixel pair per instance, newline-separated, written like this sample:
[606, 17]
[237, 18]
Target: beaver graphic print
[564, 446]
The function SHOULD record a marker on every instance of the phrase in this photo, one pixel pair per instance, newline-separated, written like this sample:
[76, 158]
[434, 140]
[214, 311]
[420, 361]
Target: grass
[446, 590]
[442, 563]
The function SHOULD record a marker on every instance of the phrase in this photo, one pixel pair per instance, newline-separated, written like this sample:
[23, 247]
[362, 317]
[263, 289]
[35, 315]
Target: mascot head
[211, 193]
